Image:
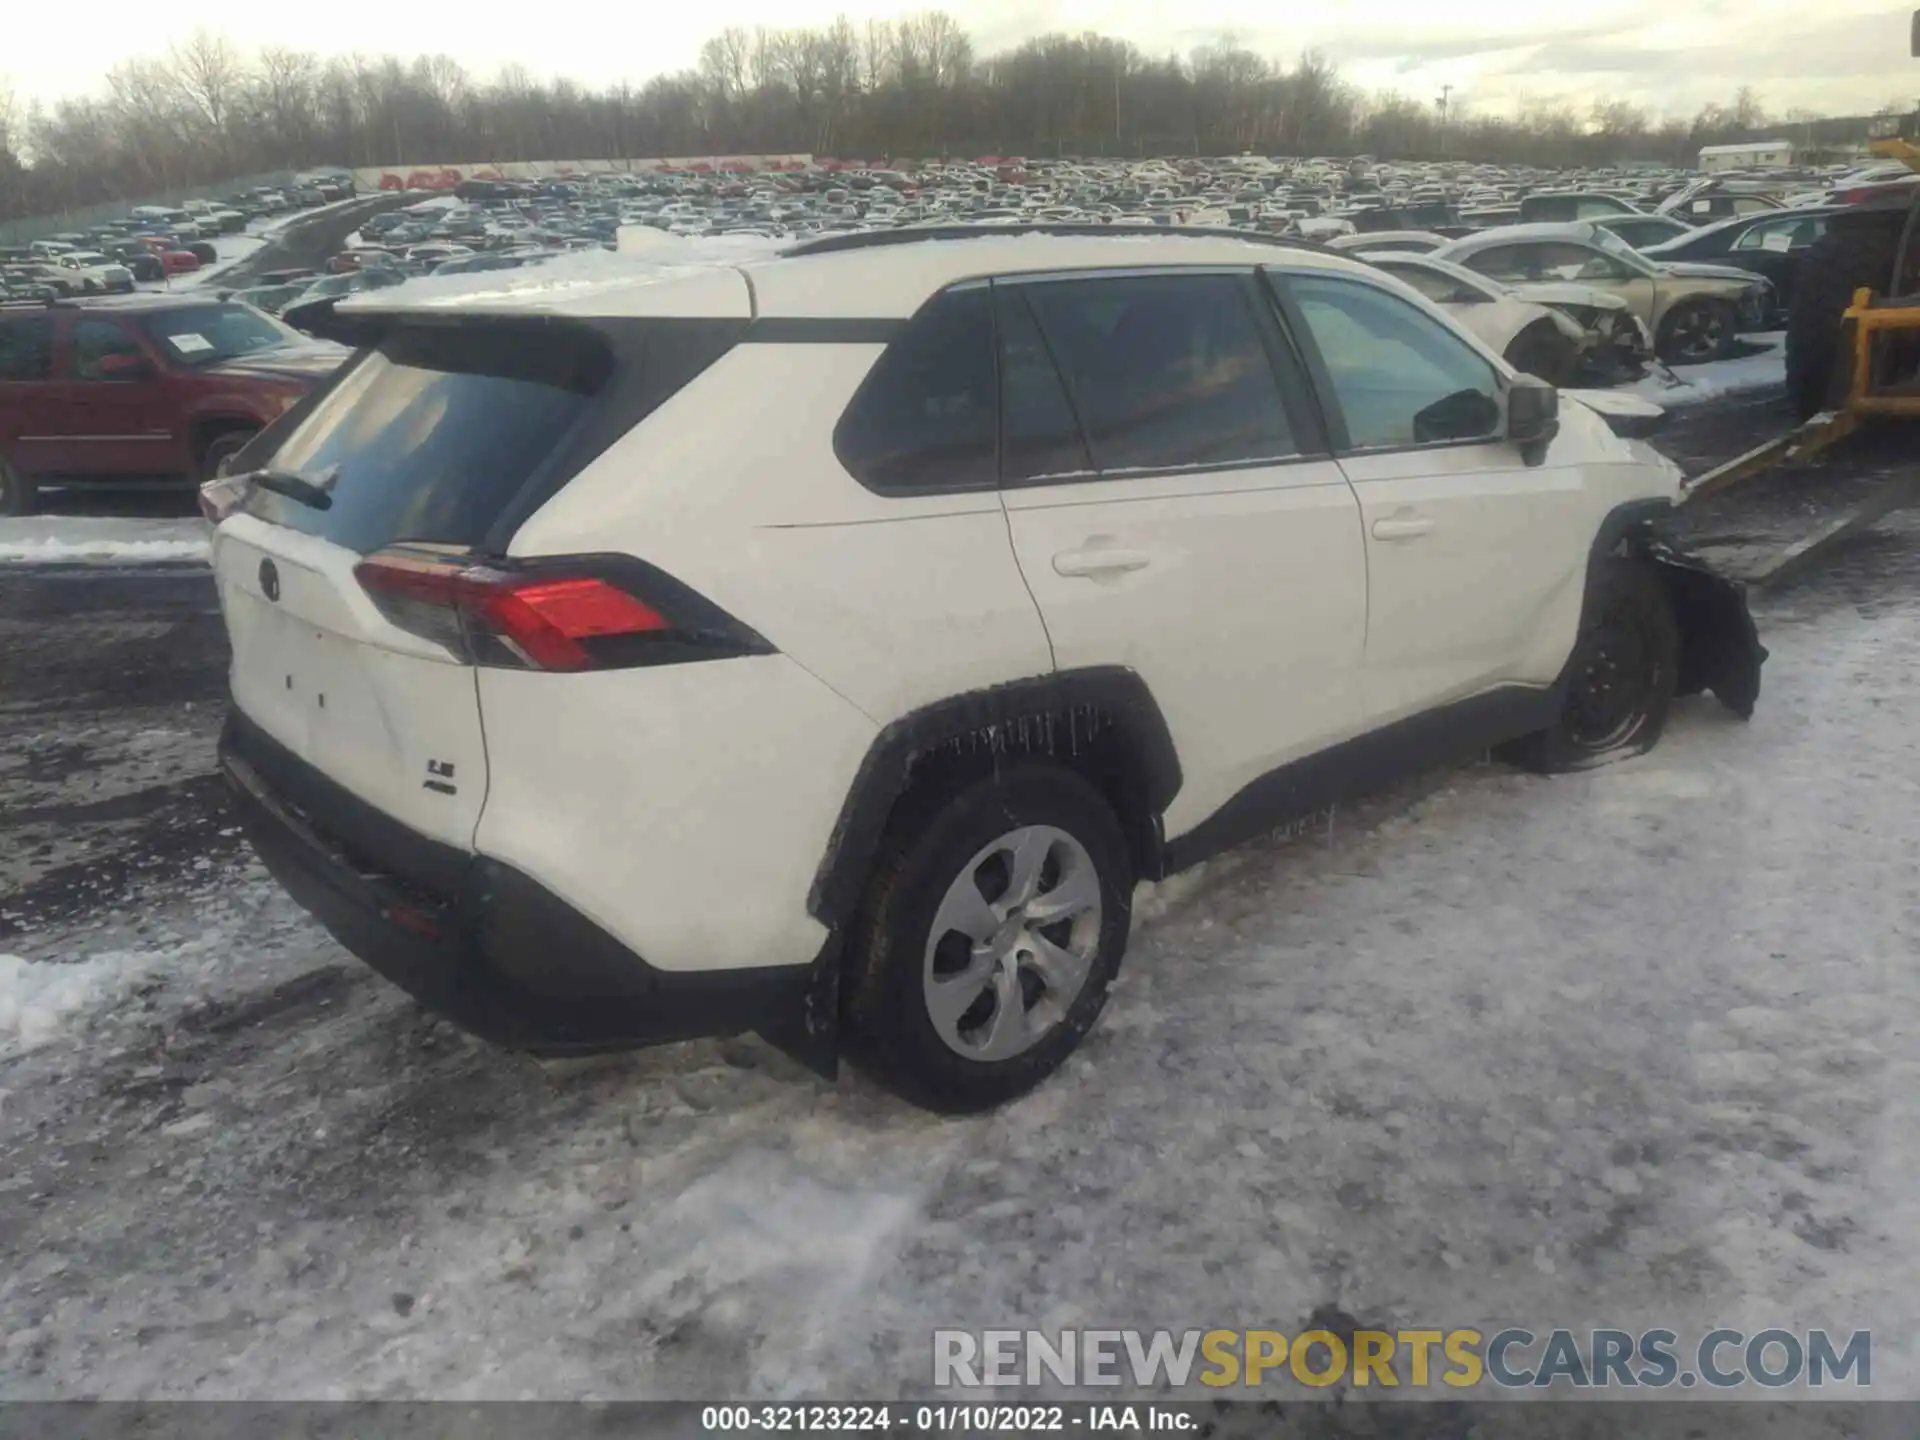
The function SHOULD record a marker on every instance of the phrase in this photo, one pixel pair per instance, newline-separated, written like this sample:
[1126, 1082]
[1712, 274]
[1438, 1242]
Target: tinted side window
[1039, 433]
[924, 419]
[1165, 370]
[96, 340]
[1401, 378]
[26, 347]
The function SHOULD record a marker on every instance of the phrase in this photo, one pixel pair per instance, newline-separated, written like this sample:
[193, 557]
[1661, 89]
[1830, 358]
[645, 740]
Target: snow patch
[58, 539]
[1694, 384]
[37, 998]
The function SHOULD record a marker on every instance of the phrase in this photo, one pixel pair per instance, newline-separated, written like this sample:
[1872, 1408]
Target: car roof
[1578, 231]
[886, 279]
[141, 301]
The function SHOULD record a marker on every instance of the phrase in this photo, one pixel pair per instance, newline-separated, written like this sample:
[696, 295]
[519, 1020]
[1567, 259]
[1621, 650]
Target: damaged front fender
[1720, 647]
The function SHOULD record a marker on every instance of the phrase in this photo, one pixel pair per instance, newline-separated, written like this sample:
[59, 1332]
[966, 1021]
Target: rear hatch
[346, 575]
[429, 438]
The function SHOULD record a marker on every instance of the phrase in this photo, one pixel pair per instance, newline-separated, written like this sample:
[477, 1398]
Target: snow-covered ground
[1695, 384]
[1635, 1047]
[43, 539]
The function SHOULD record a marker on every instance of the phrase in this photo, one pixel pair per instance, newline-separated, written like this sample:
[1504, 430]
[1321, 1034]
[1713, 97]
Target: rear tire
[1697, 331]
[1542, 351]
[990, 932]
[18, 494]
[1856, 251]
[1619, 683]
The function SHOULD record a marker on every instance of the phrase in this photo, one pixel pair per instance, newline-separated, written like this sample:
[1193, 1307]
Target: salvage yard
[1628, 1048]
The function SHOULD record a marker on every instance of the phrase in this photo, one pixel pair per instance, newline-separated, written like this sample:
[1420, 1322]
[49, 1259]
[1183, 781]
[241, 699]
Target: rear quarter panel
[732, 487]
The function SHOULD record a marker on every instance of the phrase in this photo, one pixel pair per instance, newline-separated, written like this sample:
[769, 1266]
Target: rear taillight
[565, 613]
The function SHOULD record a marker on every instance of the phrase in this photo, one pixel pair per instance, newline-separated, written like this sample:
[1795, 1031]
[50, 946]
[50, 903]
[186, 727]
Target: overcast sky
[1837, 57]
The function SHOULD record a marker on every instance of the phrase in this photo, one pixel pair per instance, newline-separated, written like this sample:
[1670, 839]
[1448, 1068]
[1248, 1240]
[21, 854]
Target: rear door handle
[1408, 528]
[1096, 561]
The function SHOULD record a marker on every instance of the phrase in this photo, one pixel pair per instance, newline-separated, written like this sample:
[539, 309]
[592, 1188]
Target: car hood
[311, 360]
[1701, 270]
[1568, 292]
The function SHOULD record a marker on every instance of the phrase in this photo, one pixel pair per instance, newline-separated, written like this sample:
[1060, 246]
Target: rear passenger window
[96, 340]
[1164, 370]
[26, 347]
[1039, 434]
[923, 419]
[1401, 377]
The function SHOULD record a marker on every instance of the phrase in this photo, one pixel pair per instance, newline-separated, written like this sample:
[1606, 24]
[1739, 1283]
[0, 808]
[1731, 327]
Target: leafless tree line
[914, 86]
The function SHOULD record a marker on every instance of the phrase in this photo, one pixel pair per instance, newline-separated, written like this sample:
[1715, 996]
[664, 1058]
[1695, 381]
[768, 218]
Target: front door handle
[1099, 561]
[1402, 528]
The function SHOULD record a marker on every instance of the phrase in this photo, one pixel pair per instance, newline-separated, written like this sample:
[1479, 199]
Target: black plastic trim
[480, 942]
[1218, 467]
[1117, 695]
[823, 330]
[1438, 737]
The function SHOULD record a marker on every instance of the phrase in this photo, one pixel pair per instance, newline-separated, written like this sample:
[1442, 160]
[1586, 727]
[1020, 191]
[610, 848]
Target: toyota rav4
[825, 644]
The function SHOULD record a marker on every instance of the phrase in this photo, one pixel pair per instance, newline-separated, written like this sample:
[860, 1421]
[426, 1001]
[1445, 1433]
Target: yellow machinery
[1864, 365]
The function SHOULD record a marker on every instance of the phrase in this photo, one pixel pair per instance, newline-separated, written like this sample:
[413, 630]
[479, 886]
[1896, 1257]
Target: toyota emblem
[269, 580]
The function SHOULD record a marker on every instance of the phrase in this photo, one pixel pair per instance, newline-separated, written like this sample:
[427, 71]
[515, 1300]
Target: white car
[96, 273]
[1546, 328]
[825, 643]
[1367, 242]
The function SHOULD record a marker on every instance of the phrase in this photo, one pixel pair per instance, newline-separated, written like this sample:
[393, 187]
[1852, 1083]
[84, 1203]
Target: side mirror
[1533, 416]
[124, 367]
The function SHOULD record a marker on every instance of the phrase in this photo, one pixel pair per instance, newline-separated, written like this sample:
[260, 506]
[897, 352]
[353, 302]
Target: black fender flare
[1720, 649]
[1021, 716]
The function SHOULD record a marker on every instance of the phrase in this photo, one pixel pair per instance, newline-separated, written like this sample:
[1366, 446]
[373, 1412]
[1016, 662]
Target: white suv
[824, 644]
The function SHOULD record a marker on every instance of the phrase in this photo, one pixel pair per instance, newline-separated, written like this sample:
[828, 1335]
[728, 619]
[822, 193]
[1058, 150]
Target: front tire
[18, 494]
[1619, 683]
[1696, 331]
[990, 933]
[222, 448]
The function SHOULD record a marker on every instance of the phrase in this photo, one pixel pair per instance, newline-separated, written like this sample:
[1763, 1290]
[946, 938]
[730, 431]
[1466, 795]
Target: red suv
[141, 389]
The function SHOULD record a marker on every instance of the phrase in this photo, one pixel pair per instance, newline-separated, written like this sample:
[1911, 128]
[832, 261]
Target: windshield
[1620, 250]
[208, 334]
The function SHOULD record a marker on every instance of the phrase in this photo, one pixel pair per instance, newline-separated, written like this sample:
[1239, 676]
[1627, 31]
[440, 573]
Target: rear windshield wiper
[311, 490]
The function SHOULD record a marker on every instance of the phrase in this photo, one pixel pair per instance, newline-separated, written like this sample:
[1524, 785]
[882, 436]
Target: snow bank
[38, 997]
[57, 539]
[1694, 384]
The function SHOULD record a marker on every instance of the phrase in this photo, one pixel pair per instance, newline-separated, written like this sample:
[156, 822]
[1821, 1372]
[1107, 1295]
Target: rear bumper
[471, 938]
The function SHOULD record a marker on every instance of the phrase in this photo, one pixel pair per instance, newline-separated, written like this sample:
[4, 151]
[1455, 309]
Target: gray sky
[1841, 56]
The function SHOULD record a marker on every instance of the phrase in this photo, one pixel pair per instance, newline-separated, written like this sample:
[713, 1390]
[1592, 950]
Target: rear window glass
[430, 437]
[923, 419]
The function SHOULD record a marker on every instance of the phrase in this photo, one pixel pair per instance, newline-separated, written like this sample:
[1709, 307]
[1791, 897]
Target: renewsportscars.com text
[1514, 1358]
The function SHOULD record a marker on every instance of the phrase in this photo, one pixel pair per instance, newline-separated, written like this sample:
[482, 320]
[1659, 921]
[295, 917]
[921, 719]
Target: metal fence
[38, 227]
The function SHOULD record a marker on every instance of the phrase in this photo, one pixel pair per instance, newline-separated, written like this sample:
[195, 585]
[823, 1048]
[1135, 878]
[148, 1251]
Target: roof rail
[911, 234]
